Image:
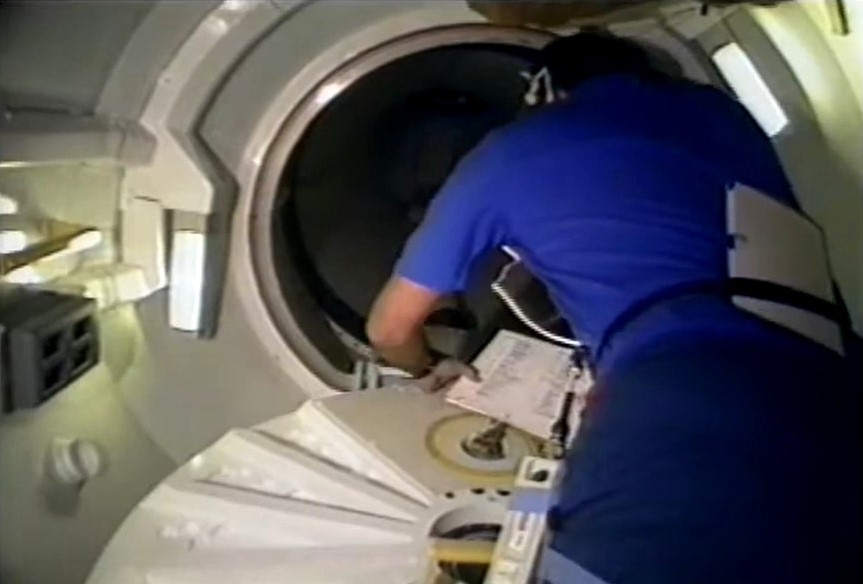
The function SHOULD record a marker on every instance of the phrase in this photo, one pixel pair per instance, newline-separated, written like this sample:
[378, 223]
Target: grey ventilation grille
[47, 341]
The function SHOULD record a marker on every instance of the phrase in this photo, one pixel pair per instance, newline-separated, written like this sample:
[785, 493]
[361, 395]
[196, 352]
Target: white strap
[772, 242]
[556, 568]
[540, 88]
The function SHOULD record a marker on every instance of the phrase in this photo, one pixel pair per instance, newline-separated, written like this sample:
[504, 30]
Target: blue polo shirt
[706, 461]
[610, 196]
[715, 448]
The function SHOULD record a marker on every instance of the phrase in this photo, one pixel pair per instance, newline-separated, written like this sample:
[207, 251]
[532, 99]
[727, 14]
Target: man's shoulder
[534, 132]
[548, 121]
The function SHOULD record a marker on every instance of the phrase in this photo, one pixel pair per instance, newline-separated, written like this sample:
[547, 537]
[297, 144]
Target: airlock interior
[362, 176]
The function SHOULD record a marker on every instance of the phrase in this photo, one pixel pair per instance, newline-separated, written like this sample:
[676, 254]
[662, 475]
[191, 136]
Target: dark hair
[572, 60]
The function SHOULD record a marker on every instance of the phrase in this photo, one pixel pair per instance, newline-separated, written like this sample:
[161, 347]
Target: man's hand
[395, 330]
[444, 373]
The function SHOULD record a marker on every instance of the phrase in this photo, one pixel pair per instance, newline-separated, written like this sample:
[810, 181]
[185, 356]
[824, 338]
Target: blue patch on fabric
[532, 501]
[559, 569]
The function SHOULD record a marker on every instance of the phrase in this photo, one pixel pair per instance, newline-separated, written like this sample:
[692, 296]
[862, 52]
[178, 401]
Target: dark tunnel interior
[366, 169]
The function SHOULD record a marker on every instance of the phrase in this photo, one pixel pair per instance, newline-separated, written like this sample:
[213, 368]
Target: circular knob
[74, 461]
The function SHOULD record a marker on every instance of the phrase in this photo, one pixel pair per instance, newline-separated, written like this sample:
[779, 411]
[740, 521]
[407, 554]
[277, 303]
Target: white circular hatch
[348, 489]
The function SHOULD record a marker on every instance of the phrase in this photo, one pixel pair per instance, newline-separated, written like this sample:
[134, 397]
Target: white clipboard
[523, 382]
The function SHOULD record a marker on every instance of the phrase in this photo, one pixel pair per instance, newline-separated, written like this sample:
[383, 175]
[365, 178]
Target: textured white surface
[344, 490]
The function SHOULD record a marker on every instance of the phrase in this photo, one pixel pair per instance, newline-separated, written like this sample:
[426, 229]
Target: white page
[523, 381]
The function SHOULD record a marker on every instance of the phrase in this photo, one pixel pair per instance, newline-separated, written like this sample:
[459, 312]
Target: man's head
[567, 62]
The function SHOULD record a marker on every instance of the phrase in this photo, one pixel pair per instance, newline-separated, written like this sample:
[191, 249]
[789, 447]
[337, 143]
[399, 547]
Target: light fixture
[8, 205]
[12, 241]
[24, 275]
[328, 91]
[751, 89]
[186, 286]
[237, 5]
[84, 241]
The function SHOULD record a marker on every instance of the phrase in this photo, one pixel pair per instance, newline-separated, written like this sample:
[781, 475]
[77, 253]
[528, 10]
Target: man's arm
[459, 226]
[395, 325]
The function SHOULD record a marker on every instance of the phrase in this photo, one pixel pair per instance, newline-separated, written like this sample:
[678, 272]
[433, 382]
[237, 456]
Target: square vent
[47, 341]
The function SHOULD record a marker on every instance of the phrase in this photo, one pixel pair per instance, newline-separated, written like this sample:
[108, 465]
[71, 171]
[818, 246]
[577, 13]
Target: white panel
[143, 239]
[12, 241]
[776, 244]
